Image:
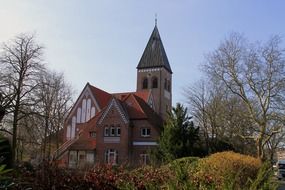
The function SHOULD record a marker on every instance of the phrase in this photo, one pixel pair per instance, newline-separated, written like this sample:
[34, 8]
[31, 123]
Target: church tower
[154, 73]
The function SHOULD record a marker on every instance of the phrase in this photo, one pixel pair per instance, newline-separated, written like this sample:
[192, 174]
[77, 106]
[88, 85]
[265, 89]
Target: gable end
[119, 108]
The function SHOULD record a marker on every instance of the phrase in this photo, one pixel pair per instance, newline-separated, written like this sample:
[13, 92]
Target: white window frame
[144, 132]
[112, 129]
[90, 157]
[111, 153]
[117, 130]
[144, 158]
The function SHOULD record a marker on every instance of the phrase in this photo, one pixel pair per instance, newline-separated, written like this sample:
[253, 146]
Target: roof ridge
[97, 88]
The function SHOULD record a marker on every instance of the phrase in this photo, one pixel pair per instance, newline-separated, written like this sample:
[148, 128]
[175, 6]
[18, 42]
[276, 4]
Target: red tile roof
[101, 96]
[133, 108]
[143, 94]
[150, 114]
[137, 107]
[83, 144]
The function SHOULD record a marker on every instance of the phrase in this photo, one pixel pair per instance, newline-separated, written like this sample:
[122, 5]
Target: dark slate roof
[154, 54]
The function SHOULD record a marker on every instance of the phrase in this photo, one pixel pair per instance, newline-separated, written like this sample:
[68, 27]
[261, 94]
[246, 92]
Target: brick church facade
[120, 127]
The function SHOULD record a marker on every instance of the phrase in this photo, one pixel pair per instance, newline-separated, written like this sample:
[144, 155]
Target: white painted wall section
[93, 112]
[88, 112]
[73, 127]
[68, 132]
[78, 115]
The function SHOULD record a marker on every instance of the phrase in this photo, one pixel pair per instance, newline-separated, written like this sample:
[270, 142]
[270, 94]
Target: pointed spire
[155, 19]
[154, 55]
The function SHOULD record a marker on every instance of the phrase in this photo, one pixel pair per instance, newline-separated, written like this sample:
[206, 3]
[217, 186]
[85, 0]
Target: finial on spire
[155, 19]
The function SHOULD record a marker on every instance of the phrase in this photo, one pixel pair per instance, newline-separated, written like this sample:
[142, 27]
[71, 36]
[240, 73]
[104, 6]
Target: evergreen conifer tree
[178, 137]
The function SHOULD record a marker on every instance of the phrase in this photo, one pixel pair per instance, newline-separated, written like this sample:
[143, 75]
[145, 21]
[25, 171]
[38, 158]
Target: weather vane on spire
[155, 19]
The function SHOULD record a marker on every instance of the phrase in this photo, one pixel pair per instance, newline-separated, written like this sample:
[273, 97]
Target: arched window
[145, 83]
[154, 82]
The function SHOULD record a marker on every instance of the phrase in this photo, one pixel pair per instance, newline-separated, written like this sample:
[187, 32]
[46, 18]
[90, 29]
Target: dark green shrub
[5, 181]
[5, 152]
[179, 169]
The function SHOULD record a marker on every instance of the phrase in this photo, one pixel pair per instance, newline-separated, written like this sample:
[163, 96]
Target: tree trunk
[2, 112]
[14, 139]
[45, 138]
[259, 147]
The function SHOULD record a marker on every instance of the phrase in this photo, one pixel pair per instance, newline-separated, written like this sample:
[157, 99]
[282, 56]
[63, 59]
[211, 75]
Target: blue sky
[101, 42]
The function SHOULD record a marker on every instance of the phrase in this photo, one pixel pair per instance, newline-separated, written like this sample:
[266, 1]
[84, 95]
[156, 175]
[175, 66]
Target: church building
[117, 128]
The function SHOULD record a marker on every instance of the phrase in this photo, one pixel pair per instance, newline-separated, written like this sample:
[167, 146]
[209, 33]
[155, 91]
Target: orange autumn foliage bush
[220, 169]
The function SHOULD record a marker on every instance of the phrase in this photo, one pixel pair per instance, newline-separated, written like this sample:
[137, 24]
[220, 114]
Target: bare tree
[220, 117]
[197, 98]
[20, 65]
[255, 74]
[2, 109]
[55, 97]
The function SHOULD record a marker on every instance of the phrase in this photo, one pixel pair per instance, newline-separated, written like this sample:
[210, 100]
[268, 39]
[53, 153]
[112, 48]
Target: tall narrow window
[88, 109]
[154, 82]
[83, 115]
[165, 84]
[144, 158]
[112, 131]
[78, 115]
[73, 127]
[106, 131]
[111, 156]
[118, 131]
[145, 83]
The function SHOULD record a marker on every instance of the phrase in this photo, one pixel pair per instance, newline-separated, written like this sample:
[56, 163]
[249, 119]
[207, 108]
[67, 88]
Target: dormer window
[145, 83]
[154, 83]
